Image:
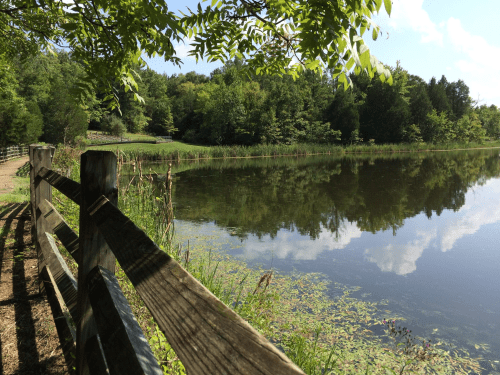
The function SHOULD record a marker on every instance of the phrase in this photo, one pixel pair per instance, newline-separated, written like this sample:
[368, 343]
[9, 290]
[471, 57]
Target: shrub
[113, 125]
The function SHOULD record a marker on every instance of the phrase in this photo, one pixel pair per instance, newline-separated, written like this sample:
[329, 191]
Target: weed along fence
[97, 329]
[12, 152]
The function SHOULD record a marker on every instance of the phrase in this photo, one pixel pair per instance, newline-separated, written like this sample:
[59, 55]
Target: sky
[456, 38]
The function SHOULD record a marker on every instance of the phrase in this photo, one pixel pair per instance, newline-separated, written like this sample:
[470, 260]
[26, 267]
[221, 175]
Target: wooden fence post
[32, 190]
[97, 177]
[40, 190]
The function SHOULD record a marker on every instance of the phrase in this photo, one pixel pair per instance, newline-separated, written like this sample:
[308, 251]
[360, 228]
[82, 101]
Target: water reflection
[401, 258]
[419, 230]
[313, 194]
[481, 209]
[286, 244]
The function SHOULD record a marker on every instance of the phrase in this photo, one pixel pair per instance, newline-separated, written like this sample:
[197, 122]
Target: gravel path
[29, 343]
[8, 172]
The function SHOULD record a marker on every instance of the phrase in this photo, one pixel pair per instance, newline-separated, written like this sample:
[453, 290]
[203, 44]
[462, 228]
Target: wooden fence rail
[98, 331]
[12, 152]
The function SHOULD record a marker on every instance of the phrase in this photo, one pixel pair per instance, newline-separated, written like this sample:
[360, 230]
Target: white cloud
[401, 258]
[479, 64]
[182, 49]
[289, 244]
[472, 217]
[476, 48]
[409, 14]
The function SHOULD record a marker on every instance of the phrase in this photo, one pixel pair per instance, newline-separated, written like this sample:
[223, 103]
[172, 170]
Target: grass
[181, 151]
[131, 136]
[21, 192]
[323, 335]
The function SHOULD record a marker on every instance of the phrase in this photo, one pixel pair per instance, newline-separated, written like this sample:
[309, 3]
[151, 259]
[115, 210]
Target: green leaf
[69, 26]
[375, 33]
[364, 57]
[388, 6]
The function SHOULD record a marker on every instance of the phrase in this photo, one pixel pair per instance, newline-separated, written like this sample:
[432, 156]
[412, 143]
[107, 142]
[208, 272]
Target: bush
[113, 125]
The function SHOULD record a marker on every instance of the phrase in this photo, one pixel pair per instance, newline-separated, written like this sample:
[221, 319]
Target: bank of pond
[379, 263]
[177, 151]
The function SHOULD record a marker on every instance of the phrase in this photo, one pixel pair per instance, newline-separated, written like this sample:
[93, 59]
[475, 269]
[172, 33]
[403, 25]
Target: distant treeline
[38, 102]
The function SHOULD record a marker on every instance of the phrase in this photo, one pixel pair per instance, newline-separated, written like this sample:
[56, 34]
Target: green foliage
[109, 38]
[412, 134]
[319, 35]
[438, 128]
[20, 119]
[234, 108]
[437, 95]
[469, 129]
[386, 112]
[490, 120]
[113, 125]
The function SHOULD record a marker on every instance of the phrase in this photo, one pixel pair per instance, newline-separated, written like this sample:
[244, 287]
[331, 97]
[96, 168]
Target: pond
[420, 231]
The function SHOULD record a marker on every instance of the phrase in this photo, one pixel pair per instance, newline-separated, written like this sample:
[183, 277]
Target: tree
[20, 119]
[385, 114]
[113, 125]
[109, 37]
[343, 114]
[438, 128]
[437, 95]
[65, 118]
[490, 120]
[420, 104]
[458, 96]
[469, 129]
[223, 113]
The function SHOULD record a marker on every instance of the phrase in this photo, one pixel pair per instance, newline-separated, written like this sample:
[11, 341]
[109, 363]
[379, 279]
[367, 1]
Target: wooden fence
[12, 152]
[96, 326]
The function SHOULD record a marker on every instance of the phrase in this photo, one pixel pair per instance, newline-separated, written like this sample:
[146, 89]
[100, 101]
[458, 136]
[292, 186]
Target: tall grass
[176, 151]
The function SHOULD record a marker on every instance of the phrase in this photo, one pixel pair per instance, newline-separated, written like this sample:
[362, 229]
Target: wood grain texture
[64, 280]
[125, 347]
[68, 187]
[32, 190]
[64, 327]
[60, 228]
[93, 362]
[97, 177]
[42, 157]
[208, 337]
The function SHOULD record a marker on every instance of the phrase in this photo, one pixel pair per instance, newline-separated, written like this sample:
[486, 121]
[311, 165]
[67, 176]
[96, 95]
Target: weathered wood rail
[12, 152]
[98, 331]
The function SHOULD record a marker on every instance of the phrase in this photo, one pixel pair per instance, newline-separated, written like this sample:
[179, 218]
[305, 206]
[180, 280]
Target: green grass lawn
[151, 148]
[131, 136]
[21, 192]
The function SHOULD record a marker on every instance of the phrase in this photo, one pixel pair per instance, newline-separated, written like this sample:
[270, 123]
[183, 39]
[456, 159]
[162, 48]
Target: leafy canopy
[274, 36]
[288, 36]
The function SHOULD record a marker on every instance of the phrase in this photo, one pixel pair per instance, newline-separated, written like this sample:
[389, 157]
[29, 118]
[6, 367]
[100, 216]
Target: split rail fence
[97, 329]
[12, 152]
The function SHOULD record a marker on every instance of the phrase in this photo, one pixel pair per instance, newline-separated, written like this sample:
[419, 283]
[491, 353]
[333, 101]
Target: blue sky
[457, 38]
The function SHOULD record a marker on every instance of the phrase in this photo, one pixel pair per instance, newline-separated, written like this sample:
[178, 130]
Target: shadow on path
[29, 343]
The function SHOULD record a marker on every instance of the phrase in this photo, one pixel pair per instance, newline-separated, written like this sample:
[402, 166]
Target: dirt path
[29, 343]
[8, 171]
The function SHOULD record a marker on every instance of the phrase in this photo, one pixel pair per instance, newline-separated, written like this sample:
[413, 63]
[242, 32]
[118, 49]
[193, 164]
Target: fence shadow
[29, 361]
[8, 214]
[21, 296]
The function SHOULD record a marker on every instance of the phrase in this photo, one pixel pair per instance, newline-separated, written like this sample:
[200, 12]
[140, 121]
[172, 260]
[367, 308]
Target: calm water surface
[419, 231]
